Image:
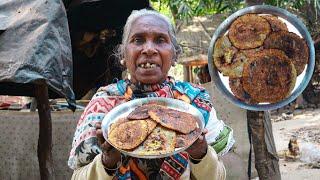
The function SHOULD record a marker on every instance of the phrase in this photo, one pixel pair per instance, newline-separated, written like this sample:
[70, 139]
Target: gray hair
[144, 12]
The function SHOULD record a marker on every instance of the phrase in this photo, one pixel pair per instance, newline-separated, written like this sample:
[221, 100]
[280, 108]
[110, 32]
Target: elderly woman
[149, 48]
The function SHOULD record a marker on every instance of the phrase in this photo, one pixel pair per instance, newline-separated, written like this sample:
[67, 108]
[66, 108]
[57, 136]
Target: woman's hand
[199, 148]
[110, 156]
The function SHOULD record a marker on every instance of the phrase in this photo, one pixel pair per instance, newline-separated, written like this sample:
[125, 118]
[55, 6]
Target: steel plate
[302, 80]
[124, 109]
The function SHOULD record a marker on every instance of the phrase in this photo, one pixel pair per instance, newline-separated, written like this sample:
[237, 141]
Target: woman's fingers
[200, 138]
[199, 148]
[204, 131]
[111, 159]
[105, 146]
[99, 133]
[110, 155]
[100, 136]
[98, 125]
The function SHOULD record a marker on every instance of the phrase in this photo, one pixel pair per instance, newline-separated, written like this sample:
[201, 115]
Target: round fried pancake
[151, 125]
[141, 112]
[160, 141]
[129, 135]
[175, 120]
[269, 76]
[184, 140]
[236, 86]
[275, 23]
[117, 123]
[223, 56]
[249, 31]
[295, 47]
[235, 69]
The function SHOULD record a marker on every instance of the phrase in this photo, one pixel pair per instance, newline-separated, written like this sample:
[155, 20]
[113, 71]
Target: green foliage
[308, 9]
[295, 4]
[161, 7]
[186, 9]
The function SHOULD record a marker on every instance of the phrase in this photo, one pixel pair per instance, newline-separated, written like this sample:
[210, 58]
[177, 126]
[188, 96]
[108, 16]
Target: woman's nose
[149, 49]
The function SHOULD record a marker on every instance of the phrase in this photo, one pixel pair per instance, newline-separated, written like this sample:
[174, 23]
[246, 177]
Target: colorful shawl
[85, 145]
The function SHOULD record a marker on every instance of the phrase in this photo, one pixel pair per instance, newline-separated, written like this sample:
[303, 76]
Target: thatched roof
[195, 36]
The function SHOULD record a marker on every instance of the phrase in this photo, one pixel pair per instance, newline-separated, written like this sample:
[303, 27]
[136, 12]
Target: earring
[122, 62]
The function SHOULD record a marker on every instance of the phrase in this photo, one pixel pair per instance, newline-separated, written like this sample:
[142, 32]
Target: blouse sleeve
[209, 166]
[93, 170]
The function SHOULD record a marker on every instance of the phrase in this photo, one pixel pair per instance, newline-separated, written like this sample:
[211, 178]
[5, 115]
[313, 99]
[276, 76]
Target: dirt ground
[305, 125]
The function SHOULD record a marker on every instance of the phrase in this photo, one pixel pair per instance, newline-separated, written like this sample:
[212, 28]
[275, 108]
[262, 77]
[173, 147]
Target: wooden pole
[45, 132]
[266, 160]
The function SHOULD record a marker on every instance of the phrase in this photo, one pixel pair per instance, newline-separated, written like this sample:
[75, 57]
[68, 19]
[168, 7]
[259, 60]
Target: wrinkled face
[149, 52]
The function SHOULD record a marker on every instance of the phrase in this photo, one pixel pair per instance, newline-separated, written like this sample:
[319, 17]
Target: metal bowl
[302, 80]
[124, 109]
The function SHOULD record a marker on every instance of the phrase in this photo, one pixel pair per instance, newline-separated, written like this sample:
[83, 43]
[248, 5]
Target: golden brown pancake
[129, 135]
[175, 120]
[269, 76]
[141, 112]
[223, 57]
[236, 87]
[243, 55]
[151, 125]
[240, 58]
[249, 31]
[117, 123]
[294, 47]
[184, 140]
[160, 141]
[275, 23]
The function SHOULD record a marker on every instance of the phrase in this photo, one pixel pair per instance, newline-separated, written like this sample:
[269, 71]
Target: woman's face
[149, 52]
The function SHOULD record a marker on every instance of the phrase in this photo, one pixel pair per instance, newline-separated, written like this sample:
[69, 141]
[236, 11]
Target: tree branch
[206, 32]
[192, 47]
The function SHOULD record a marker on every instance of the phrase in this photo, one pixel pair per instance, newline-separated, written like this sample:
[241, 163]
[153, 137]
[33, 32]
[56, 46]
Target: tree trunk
[266, 160]
[45, 133]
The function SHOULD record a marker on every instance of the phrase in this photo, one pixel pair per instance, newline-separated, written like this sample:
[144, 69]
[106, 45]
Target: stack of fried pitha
[261, 58]
[153, 129]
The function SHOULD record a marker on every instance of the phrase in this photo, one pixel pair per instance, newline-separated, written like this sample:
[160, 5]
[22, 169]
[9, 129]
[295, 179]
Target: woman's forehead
[149, 23]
